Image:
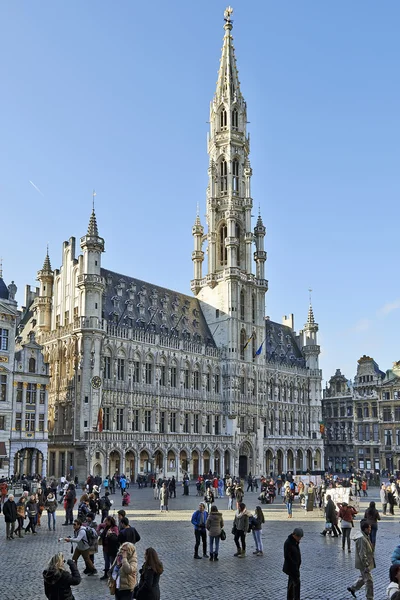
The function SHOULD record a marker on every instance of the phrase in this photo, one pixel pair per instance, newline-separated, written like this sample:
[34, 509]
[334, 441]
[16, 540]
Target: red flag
[100, 420]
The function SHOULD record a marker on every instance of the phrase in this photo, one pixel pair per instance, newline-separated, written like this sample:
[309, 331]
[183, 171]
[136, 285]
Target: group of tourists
[211, 522]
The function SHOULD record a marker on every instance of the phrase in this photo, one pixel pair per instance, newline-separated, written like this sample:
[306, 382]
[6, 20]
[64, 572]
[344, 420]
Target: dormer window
[223, 121]
[223, 171]
[235, 119]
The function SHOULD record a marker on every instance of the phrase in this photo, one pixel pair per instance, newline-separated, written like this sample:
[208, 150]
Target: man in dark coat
[291, 566]
[10, 516]
[127, 533]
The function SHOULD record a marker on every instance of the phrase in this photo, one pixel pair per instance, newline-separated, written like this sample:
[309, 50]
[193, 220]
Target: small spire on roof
[47, 264]
[310, 317]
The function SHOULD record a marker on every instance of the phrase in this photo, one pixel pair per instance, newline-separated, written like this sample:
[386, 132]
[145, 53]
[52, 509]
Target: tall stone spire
[228, 84]
[47, 265]
[310, 317]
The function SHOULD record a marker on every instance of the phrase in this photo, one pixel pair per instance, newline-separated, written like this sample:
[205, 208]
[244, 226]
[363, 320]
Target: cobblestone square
[325, 574]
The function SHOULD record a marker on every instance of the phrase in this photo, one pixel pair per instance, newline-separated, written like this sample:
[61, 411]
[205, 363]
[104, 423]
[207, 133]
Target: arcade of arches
[29, 461]
[195, 462]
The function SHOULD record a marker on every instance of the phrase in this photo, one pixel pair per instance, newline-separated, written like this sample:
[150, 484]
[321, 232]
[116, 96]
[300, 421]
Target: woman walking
[108, 532]
[21, 512]
[124, 571]
[31, 511]
[58, 581]
[240, 528]
[164, 498]
[214, 524]
[288, 499]
[331, 517]
[372, 516]
[51, 506]
[257, 521]
[346, 514]
[149, 587]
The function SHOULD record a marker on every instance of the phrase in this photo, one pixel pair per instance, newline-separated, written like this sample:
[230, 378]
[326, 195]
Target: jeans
[31, 525]
[240, 535]
[289, 506]
[214, 538]
[51, 516]
[365, 579]
[293, 588]
[201, 536]
[346, 536]
[108, 561]
[230, 503]
[257, 539]
[10, 529]
[69, 515]
[372, 535]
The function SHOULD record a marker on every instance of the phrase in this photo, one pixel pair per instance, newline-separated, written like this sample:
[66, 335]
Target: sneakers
[238, 553]
[349, 589]
[242, 554]
[260, 553]
[197, 556]
[255, 552]
[205, 555]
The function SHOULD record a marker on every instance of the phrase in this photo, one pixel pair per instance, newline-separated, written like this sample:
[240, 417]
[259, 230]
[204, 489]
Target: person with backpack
[92, 535]
[83, 508]
[82, 547]
[51, 507]
[104, 505]
[346, 515]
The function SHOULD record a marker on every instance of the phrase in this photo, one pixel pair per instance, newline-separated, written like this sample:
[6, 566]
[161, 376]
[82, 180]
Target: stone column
[222, 464]
[201, 463]
[212, 462]
[34, 462]
[284, 468]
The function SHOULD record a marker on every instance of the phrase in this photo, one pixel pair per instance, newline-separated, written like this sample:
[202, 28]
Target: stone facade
[389, 414]
[144, 378]
[337, 413]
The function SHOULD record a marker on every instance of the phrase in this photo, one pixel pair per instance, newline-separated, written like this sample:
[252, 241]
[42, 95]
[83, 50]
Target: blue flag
[259, 350]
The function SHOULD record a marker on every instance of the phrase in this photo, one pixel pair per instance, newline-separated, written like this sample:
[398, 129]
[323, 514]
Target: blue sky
[115, 96]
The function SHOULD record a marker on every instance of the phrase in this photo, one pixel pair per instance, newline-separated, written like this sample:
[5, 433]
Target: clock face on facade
[96, 382]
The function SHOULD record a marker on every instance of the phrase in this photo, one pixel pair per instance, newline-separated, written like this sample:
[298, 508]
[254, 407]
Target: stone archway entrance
[130, 465]
[245, 459]
[145, 463]
[279, 462]
[269, 462]
[29, 461]
[290, 461]
[206, 461]
[299, 461]
[227, 463]
[317, 460]
[217, 463]
[183, 459]
[158, 461]
[114, 463]
[195, 464]
[309, 460]
[97, 470]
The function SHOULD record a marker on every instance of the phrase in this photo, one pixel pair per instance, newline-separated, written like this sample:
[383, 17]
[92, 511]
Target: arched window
[242, 343]
[237, 235]
[223, 119]
[223, 171]
[253, 308]
[32, 365]
[242, 300]
[235, 119]
[235, 176]
[223, 251]
[272, 423]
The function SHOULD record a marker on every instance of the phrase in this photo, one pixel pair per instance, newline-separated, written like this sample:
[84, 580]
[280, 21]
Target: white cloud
[388, 308]
[361, 325]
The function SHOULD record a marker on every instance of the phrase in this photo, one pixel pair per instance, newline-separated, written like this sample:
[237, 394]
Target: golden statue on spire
[227, 13]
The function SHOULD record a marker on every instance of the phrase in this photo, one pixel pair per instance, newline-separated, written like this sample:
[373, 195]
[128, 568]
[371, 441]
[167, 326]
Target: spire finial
[227, 14]
[197, 211]
[309, 294]
[93, 196]
[47, 265]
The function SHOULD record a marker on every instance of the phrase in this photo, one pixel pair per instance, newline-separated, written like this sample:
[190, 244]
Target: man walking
[365, 562]
[199, 518]
[10, 516]
[292, 562]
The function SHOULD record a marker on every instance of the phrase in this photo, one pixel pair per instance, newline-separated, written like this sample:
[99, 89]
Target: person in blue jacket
[199, 518]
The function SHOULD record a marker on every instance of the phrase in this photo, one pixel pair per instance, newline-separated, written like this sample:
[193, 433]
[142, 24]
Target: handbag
[234, 529]
[222, 535]
[112, 585]
[328, 526]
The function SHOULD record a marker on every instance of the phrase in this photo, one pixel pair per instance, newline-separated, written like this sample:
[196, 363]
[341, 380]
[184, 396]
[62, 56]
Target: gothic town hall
[146, 379]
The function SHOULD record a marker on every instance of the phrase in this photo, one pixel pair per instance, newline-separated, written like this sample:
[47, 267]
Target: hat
[299, 532]
[91, 516]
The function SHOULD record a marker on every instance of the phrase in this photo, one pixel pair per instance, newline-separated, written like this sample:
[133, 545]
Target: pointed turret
[197, 254]
[92, 229]
[43, 302]
[310, 343]
[310, 317]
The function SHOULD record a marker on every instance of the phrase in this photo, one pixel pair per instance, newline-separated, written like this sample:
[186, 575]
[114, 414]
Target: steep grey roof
[134, 303]
[4, 293]
[281, 345]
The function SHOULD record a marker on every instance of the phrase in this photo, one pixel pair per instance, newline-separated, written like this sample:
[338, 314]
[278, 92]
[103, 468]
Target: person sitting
[126, 498]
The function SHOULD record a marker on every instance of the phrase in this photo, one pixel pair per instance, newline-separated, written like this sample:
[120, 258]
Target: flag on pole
[258, 352]
[248, 341]
[100, 420]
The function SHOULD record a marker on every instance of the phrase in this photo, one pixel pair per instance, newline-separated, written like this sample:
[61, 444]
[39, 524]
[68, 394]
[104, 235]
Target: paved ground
[326, 571]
